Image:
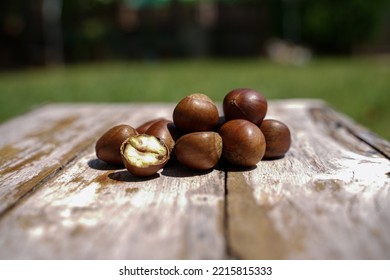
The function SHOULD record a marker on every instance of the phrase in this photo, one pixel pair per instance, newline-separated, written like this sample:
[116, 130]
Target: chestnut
[107, 147]
[196, 112]
[166, 131]
[143, 127]
[277, 137]
[244, 103]
[143, 155]
[199, 150]
[243, 142]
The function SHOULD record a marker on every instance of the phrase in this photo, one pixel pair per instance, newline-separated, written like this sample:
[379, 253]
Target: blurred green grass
[358, 87]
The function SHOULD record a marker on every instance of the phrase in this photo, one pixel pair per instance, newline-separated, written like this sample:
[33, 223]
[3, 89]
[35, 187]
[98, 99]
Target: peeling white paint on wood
[324, 199]
[90, 213]
[328, 198]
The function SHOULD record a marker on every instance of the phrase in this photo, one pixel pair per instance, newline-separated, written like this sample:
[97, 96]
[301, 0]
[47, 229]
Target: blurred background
[162, 50]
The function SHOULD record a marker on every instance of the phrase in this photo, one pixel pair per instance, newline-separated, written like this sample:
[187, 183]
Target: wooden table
[328, 198]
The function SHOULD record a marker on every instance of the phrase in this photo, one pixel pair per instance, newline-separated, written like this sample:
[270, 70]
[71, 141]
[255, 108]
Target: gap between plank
[229, 252]
[225, 216]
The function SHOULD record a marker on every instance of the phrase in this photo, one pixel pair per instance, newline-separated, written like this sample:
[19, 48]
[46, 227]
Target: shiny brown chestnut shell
[107, 147]
[244, 103]
[277, 137]
[243, 142]
[196, 112]
[143, 127]
[166, 131]
[199, 150]
[143, 155]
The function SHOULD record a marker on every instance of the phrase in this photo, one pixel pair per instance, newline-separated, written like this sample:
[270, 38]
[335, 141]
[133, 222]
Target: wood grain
[89, 210]
[35, 146]
[328, 198]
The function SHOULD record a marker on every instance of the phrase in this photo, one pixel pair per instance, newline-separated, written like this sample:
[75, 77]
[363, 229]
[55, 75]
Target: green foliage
[334, 25]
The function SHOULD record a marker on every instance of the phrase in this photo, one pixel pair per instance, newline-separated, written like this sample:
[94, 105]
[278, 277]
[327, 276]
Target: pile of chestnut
[198, 137]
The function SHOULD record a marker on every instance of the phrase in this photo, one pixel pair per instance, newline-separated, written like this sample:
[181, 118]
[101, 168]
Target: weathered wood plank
[328, 198]
[33, 147]
[108, 214]
[90, 211]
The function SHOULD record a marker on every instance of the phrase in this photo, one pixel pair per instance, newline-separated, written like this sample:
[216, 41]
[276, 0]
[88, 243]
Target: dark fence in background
[40, 32]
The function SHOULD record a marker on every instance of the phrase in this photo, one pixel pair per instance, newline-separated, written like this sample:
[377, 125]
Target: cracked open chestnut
[277, 137]
[196, 112]
[243, 142]
[107, 147]
[245, 103]
[199, 150]
[143, 155]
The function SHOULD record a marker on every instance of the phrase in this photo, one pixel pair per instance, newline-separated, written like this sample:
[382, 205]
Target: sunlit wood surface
[328, 198]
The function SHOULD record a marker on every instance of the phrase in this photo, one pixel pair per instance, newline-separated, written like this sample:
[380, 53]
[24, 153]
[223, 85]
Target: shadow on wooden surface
[126, 176]
[101, 165]
[328, 198]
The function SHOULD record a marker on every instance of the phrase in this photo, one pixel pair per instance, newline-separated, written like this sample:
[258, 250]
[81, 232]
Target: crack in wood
[329, 117]
[30, 189]
[313, 203]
